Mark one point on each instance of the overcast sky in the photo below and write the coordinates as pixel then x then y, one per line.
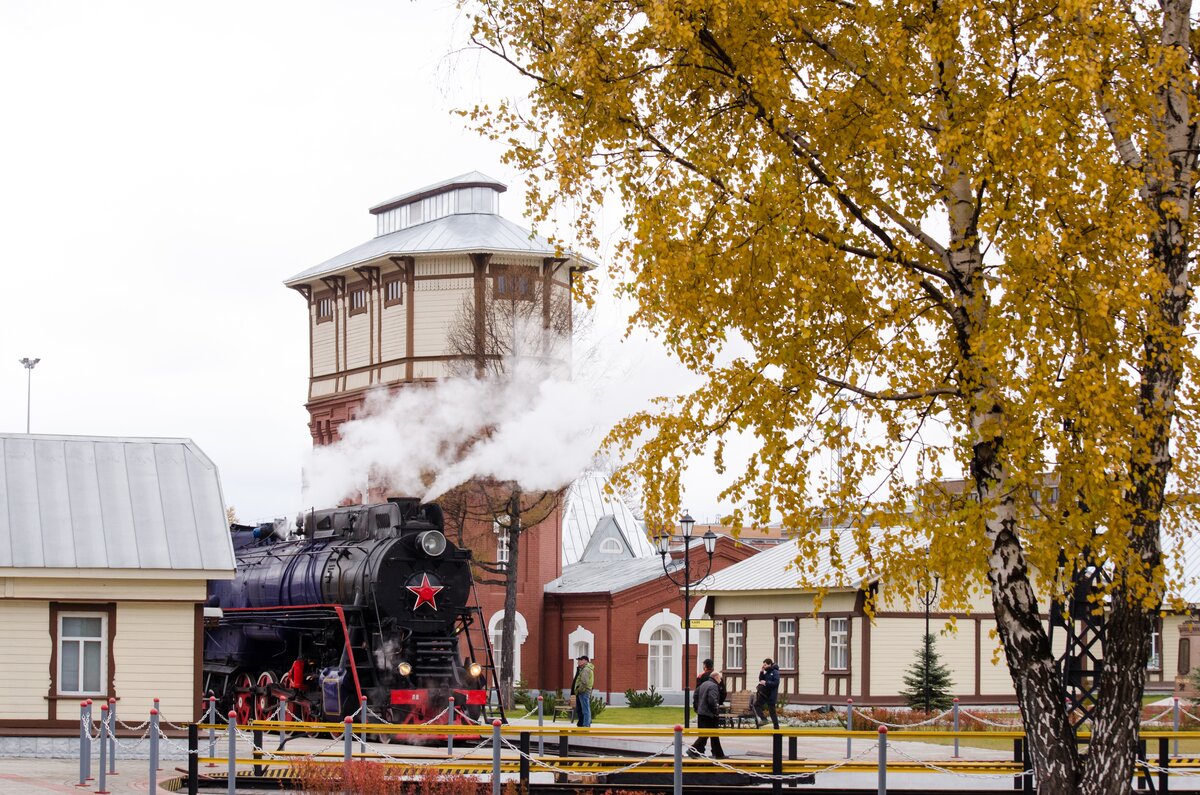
pixel 166 166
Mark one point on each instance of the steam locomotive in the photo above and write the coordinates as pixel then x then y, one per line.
pixel 365 602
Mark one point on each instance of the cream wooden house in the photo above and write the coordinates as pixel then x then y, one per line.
pixel 106 546
pixel 836 652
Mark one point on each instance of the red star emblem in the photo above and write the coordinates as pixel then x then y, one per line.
pixel 426 593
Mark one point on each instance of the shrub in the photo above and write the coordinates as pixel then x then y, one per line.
pixel 598 705
pixel 372 778
pixel 643 698
pixel 527 702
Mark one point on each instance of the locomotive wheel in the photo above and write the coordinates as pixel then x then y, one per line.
pixel 265 701
pixel 243 698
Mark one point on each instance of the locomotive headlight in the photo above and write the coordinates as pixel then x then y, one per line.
pixel 475 669
pixel 404 669
pixel 432 543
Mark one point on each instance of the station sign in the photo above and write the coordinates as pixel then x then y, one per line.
pixel 697 623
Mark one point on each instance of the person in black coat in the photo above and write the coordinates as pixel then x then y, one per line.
pixel 702 678
pixel 707 707
pixel 767 693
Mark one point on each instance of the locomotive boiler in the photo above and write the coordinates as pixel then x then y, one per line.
pixel 364 602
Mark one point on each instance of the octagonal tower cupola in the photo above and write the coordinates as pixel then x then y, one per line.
pixel 468 194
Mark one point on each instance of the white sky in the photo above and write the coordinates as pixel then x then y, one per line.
pixel 163 168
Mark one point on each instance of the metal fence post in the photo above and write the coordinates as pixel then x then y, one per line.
pixel 883 760
pixel 193 762
pixel 523 777
pixel 232 732
pixel 956 728
pixel 87 767
pixel 496 757
pixel 103 750
pixel 347 752
pixel 1175 722
pixel 158 720
pixel 541 737
pixel 362 741
pixel 154 750
pixel 678 788
pixel 285 715
pixel 849 723
pixel 450 722
pixel 212 728
pixel 112 738
pixel 777 762
pixel 84 745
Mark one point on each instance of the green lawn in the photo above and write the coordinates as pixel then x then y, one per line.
pixel 642 716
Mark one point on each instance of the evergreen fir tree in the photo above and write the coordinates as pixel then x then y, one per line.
pixel 928 672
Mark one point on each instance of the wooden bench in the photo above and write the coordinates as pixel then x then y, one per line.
pixel 738 710
pixel 567 710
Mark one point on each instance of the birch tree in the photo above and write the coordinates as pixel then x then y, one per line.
pixel 966 226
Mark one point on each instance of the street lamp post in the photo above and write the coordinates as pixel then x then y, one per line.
pixel 29 365
pixel 928 597
pixel 686 523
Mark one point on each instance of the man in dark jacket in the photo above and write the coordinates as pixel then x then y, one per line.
pixel 767 693
pixel 707 707
pixel 702 678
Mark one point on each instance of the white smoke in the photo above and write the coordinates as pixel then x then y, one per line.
pixel 530 424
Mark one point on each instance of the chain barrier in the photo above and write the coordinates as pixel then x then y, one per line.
pixel 1183 711
pixel 469 719
pixel 1169 771
pixel 1159 716
pixel 137 728
pixel 249 738
pixel 788 776
pixel 183 748
pixel 927 722
pixel 433 762
pixel 895 748
pixel 962 713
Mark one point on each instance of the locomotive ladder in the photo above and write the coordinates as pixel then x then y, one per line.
pixel 474 619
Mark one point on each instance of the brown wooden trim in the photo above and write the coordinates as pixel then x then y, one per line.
pixel 480 262
pixel 304 290
pixel 835 672
pixel 324 295
pixel 978 655
pixel 395 278
pixel 725 638
pixel 351 289
pixel 410 317
pixel 436 277
pixel 110 610
pixel 198 661
pixel 22 727
pixel 864 678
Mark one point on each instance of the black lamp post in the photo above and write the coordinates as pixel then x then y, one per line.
pixel 928 597
pixel 686 523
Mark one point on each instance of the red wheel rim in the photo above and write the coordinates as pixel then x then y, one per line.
pixel 243 699
pixel 264 700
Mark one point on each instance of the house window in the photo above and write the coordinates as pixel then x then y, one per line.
pixel 82 653
pixel 662 659
pixel 839 645
pixel 324 309
pixel 1155 661
pixel 358 300
pixel 393 292
pixel 513 283
pixel 735 644
pixel 611 545
pixel 785 651
pixel 502 550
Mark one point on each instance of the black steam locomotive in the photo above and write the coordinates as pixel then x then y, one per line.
pixel 366 602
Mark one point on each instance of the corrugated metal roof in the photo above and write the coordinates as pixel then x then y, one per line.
pixel 121 503
pixel 609 576
pixel 587 504
pixel 470 178
pixel 452 234
pixel 774 569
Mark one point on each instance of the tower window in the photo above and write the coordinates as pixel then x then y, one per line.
pixel 393 291
pixel 513 282
pixel 325 308
pixel 358 300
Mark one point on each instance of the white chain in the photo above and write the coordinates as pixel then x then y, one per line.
pixel 1156 769
pixel 137 728
pixel 457 757
pixel 788 776
pixel 268 755
pixel 469 719
pixel 900 752
pixel 1190 715
pixel 172 743
pixel 1159 716
pixel 986 722
pixel 934 719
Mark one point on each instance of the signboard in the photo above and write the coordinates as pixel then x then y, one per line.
pixel 696 623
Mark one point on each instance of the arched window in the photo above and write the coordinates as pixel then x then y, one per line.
pixel 662 660
pixel 496 634
pixel 611 545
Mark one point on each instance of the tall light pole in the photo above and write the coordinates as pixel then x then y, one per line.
pixel 29 365
pixel 686 523
pixel 928 597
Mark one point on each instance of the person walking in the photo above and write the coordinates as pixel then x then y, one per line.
pixel 581 688
pixel 767 693
pixel 707 706
pixel 701 679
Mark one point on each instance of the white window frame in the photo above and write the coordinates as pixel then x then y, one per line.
pixel 787 648
pixel 102 641
pixel 839 644
pixel 1155 661
pixel 611 545
pixel 735 652
pixel 502 549
pixel 661 664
